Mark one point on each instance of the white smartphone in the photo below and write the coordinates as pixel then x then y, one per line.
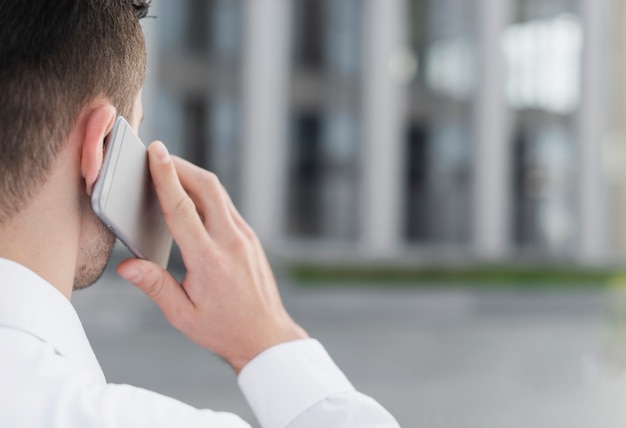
pixel 124 197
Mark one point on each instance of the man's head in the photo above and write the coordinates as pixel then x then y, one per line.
pixel 55 58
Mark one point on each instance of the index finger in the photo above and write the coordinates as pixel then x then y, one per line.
pixel 179 211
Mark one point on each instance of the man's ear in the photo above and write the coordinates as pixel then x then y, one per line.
pixel 98 123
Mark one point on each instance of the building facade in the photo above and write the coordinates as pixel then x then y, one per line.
pixel 401 131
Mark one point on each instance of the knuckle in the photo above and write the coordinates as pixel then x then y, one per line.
pixel 239 244
pixel 185 208
pixel 248 232
pixel 209 180
pixel 154 288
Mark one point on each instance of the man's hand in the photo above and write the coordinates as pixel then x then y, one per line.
pixel 228 302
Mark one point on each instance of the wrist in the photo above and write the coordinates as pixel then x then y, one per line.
pixel 291 334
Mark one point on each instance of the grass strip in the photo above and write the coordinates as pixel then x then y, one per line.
pixel 486 276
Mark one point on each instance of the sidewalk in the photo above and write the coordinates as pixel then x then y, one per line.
pixel 448 358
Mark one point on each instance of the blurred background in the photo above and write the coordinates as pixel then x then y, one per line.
pixel 402 130
pixel 370 141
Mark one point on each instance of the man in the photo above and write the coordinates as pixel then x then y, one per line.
pixel 67 68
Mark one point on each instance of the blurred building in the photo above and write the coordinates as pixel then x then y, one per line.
pixel 402 131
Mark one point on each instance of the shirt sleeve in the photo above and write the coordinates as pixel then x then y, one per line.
pixel 297 385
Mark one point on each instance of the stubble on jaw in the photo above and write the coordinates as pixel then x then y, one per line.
pixel 94 256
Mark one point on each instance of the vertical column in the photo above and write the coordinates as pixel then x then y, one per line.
pixel 616 148
pixel 592 131
pixel 492 169
pixel 384 107
pixel 264 81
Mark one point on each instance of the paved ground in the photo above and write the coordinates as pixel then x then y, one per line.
pixel 435 358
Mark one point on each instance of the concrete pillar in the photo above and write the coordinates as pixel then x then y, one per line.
pixel 616 145
pixel 492 164
pixel 383 126
pixel 592 131
pixel 264 104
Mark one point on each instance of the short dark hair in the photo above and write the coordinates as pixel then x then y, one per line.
pixel 55 57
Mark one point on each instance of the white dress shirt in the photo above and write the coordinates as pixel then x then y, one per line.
pixel 50 377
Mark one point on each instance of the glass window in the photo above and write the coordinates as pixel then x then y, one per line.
pixel 543 50
pixel 226 23
pixel 200 55
pixel 197 24
pixel 214 27
pixel 442 49
pixel 307 32
pixel 172 24
pixel 323 184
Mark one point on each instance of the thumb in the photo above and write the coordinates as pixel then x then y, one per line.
pixel 158 284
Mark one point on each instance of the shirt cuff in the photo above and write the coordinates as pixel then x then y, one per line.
pixel 287 379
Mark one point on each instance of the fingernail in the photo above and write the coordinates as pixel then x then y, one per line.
pixel 131 274
pixel 162 153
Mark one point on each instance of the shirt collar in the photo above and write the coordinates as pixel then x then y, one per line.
pixel 31 304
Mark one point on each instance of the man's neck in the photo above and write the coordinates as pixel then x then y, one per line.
pixel 40 238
